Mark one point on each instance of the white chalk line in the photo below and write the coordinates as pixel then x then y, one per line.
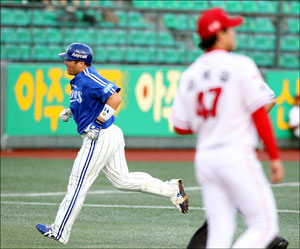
pixel 103 192
pixel 123 206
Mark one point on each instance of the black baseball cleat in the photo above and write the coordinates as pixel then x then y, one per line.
pixel 278 243
pixel 180 199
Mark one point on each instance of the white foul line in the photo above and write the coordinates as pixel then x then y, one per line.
pixel 103 192
pixel 98 192
pixel 123 206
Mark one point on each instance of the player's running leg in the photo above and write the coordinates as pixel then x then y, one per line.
pixel 117 172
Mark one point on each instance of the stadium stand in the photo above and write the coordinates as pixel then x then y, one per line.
pixel 141 31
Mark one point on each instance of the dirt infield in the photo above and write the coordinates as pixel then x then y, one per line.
pixel 137 155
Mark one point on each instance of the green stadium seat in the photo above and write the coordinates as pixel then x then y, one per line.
pixel 143 55
pixel 79 35
pixel 192 22
pixel 40 53
pixel 84 18
pixel 178 22
pixel 170 56
pixel 8 35
pixel 140 4
pixel 295 7
pixel 151 54
pixel 289 61
pixel 12 52
pixel 156 5
pixel 37 17
pixel 289 43
pixel 24 35
pixel 263 42
pixel 200 5
pixel 102 3
pixel 185 5
pixel 100 54
pixel 233 6
pixel 293 25
pixel 196 39
pixel 249 6
pixel 45 17
pixel 3 52
pixel 7 16
pixel 122 19
pixel 132 54
pixel 104 36
pixel 290 7
pixel 150 38
pixel 22 17
pixel 115 54
pixel 220 4
pixel 135 20
pixel 121 36
pixel 170 20
pixel 110 37
pixel 264 59
pixel 136 37
pixel 160 56
pixel 39 36
pixel 85 36
pixel 165 39
pixel 25 52
pixel 249 25
pixel 53 35
pixel 181 55
pixel 264 25
pixel 242 40
pixel 182 22
pixel 167 4
pixel 243 27
pixel 267 6
pixel 54 50
pixel 193 55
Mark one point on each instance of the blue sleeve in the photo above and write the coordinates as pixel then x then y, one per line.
pixel 102 89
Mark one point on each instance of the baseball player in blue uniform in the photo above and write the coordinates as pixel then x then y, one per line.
pixel 93 102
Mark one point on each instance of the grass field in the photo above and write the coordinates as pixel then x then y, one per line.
pixel 31 190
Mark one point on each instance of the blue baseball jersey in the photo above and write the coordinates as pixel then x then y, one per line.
pixel 89 92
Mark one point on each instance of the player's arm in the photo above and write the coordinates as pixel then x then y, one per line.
pixel 264 129
pixel 180 118
pixel 270 105
pixel 111 105
pixel 109 109
pixel 180 131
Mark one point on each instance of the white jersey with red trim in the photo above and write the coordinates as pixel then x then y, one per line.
pixel 216 97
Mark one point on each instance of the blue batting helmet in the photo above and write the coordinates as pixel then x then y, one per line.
pixel 78 52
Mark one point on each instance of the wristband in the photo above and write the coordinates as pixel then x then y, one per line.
pixel 98 122
pixel 107 112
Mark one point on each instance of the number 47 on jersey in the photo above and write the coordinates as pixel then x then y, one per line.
pixel 213 95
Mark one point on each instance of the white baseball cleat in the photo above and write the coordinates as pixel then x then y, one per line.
pixel 180 199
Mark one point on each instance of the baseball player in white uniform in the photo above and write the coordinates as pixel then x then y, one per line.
pixel 221 99
pixel 93 102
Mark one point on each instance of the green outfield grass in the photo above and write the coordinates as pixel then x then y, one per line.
pixel 130 220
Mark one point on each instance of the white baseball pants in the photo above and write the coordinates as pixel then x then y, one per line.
pixel 106 154
pixel 232 180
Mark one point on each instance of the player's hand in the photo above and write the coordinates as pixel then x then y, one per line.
pixel 94 129
pixel 276 171
pixel 66 114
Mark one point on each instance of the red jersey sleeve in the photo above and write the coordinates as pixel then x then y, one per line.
pixel 265 131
